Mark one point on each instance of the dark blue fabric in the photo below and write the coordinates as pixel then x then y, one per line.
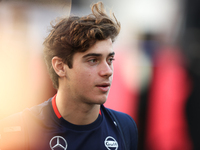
pixel 42 130
pixel 127 128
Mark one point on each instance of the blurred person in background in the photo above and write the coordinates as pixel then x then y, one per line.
pixel 191 48
pixel 162 104
pixel 165 124
pixel 79 56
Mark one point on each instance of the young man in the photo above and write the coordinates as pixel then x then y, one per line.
pixel 79 56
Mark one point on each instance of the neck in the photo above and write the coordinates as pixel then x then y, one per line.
pixel 75 112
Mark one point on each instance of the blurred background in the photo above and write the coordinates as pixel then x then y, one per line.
pixel 156 70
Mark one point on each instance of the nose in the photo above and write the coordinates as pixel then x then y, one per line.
pixel 106 70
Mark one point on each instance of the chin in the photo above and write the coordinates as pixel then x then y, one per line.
pixel 98 101
pixel 101 101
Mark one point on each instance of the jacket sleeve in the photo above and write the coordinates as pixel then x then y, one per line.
pixel 12 133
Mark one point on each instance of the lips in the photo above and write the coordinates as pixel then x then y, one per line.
pixel 104 87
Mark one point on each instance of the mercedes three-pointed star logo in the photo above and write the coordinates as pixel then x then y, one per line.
pixel 58 142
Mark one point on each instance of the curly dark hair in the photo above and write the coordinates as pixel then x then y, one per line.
pixel 77 34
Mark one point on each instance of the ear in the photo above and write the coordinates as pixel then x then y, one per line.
pixel 58 66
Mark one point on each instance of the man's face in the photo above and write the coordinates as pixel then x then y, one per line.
pixel 89 80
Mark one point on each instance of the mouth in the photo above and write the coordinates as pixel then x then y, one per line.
pixel 104 87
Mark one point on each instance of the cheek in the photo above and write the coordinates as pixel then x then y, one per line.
pixel 84 84
pixel 84 77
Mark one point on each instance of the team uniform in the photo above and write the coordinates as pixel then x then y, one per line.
pixel 43 128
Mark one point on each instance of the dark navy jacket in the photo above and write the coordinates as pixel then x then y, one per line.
pixel 41 128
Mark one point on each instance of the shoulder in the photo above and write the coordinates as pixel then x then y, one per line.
pixel 14 128
pixel 121 117
pixel 127 127
pixel 12 134
pixel 12 120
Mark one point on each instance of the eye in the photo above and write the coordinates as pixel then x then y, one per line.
pixel 110 60
pixel 93 61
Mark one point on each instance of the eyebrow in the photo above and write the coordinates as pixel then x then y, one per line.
pixel 112 54
pixel 97 54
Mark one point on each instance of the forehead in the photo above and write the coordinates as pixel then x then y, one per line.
pixel 102 44
pixel 103 47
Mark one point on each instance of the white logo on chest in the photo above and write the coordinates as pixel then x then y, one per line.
pixel 111 143
pixel 58 142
